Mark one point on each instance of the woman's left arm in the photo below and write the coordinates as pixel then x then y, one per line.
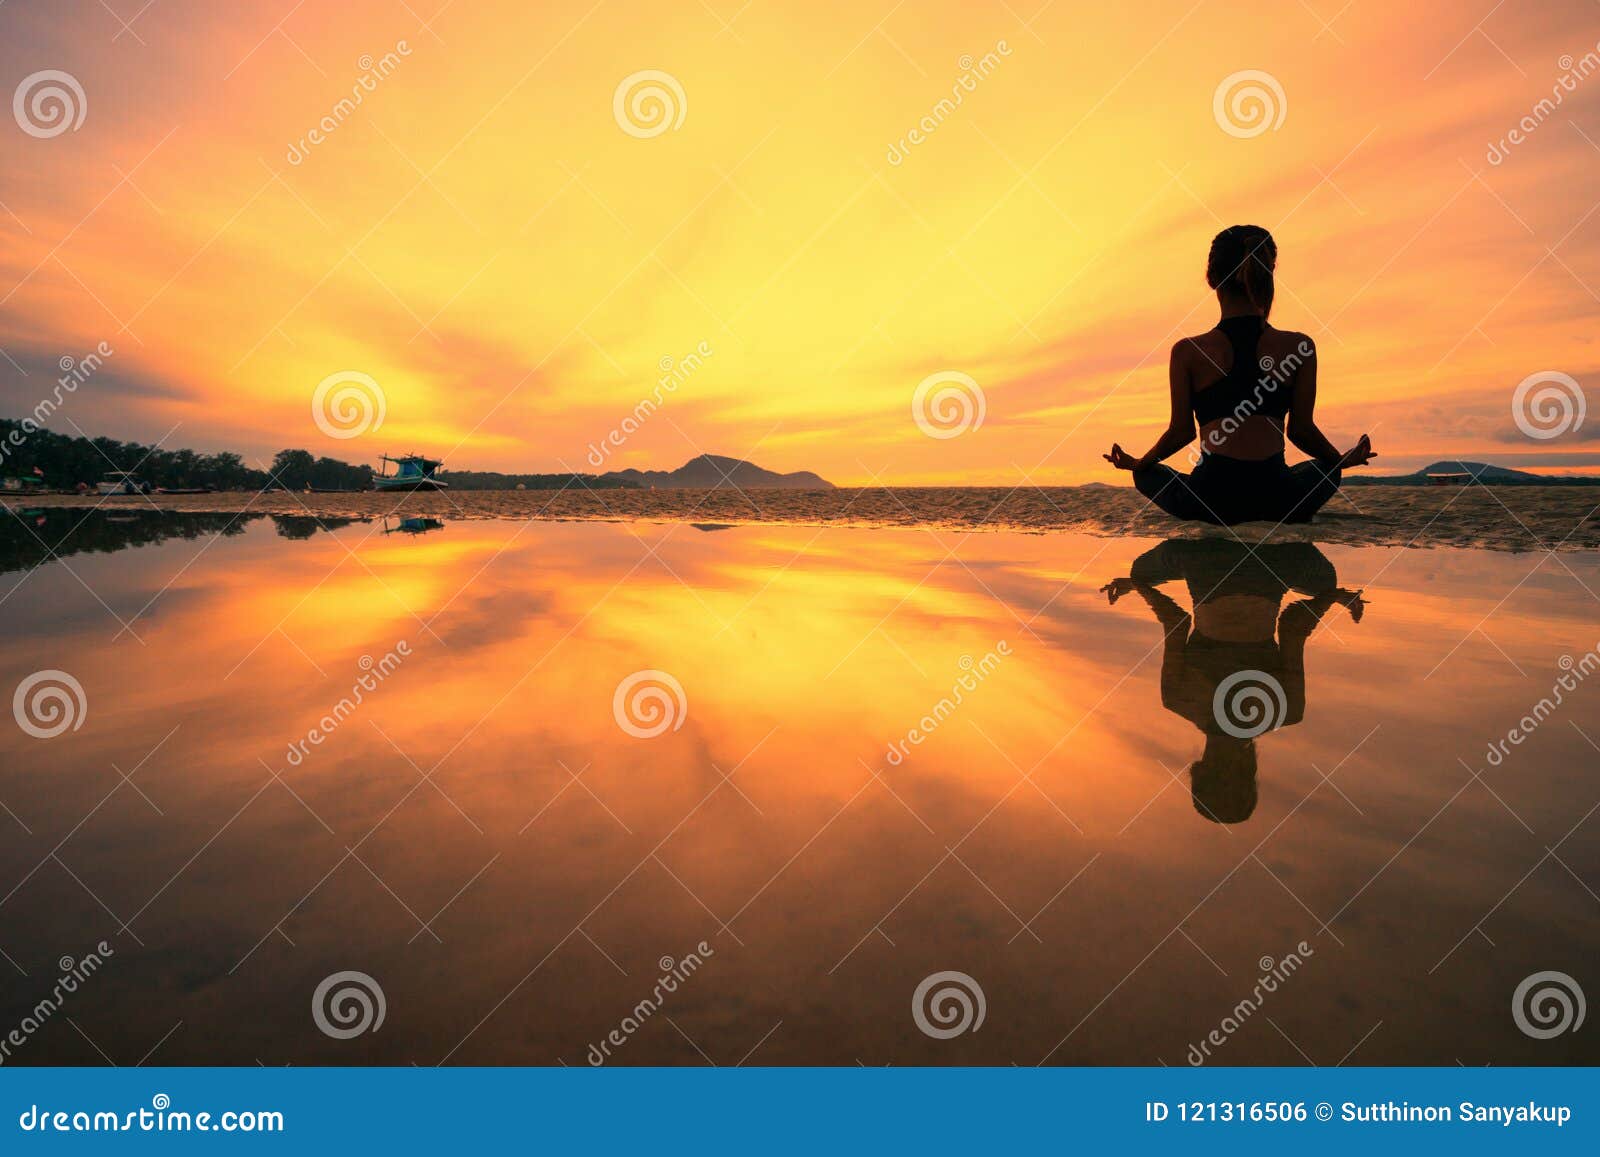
pixel 1303 430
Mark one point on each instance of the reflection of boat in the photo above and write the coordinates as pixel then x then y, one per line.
pixel 122 482
pixel 412 525
pixel 412 472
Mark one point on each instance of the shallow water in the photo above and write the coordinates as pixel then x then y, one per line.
pixel 1079 834
pixel 1514 518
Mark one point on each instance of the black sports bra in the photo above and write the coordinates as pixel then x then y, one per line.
pixel 1248 388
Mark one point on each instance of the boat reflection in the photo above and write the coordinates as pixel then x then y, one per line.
pixel 411 524
pixel 1234 665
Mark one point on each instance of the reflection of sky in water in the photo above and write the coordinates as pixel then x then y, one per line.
pixel 483 838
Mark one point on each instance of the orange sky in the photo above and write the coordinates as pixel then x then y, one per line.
pixel 482 238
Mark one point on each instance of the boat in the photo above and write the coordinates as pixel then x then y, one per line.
pixel 122 482
pixel 412 472
pixel 412 525
pixel 186 490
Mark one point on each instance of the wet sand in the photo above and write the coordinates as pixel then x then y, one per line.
pixel 1495 518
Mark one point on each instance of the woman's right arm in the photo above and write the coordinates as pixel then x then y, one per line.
pixel 1180 416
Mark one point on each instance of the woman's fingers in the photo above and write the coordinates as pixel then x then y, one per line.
pixel 1119 457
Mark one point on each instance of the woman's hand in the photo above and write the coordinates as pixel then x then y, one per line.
pixel 1359 454
pixel 1116 588
pixel 1351 601
pixel 1121 459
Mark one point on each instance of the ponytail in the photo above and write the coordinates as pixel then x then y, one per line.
pixel 1241 264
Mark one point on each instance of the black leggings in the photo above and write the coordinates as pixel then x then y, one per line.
pixel 1225 491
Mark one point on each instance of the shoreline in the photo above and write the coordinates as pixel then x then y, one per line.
pixel 1491 518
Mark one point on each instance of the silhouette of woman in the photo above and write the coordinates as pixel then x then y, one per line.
pixel 1235 666
pixel 1244 383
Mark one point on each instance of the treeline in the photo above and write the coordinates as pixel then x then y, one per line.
pixel 66 461
pixel 297 469
pixel 62 462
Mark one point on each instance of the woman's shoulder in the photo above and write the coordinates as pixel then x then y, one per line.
pixel 1200 346
pixel 1286 341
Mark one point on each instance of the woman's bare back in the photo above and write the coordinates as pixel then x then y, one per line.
pixel 1208 358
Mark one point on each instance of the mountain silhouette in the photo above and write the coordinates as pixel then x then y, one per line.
pixel 713 471
pixel 1482 472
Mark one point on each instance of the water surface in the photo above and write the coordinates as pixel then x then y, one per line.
pixel 897 753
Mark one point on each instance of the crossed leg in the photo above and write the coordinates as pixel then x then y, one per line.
pixel 1308 490
pixel 1172 492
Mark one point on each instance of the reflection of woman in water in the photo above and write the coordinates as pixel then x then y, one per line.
pixel 1247 386
pixel 1235 666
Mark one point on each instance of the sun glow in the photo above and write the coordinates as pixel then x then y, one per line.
pixel 512 218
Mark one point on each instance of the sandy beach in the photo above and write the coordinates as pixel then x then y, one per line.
pixel 1502 518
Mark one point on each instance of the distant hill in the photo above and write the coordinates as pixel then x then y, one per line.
pixel 712 471
pixel 493 480
pixel 1480 472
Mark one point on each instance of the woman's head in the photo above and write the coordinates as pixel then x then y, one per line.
pixel 1223 781
pixel 1240 266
